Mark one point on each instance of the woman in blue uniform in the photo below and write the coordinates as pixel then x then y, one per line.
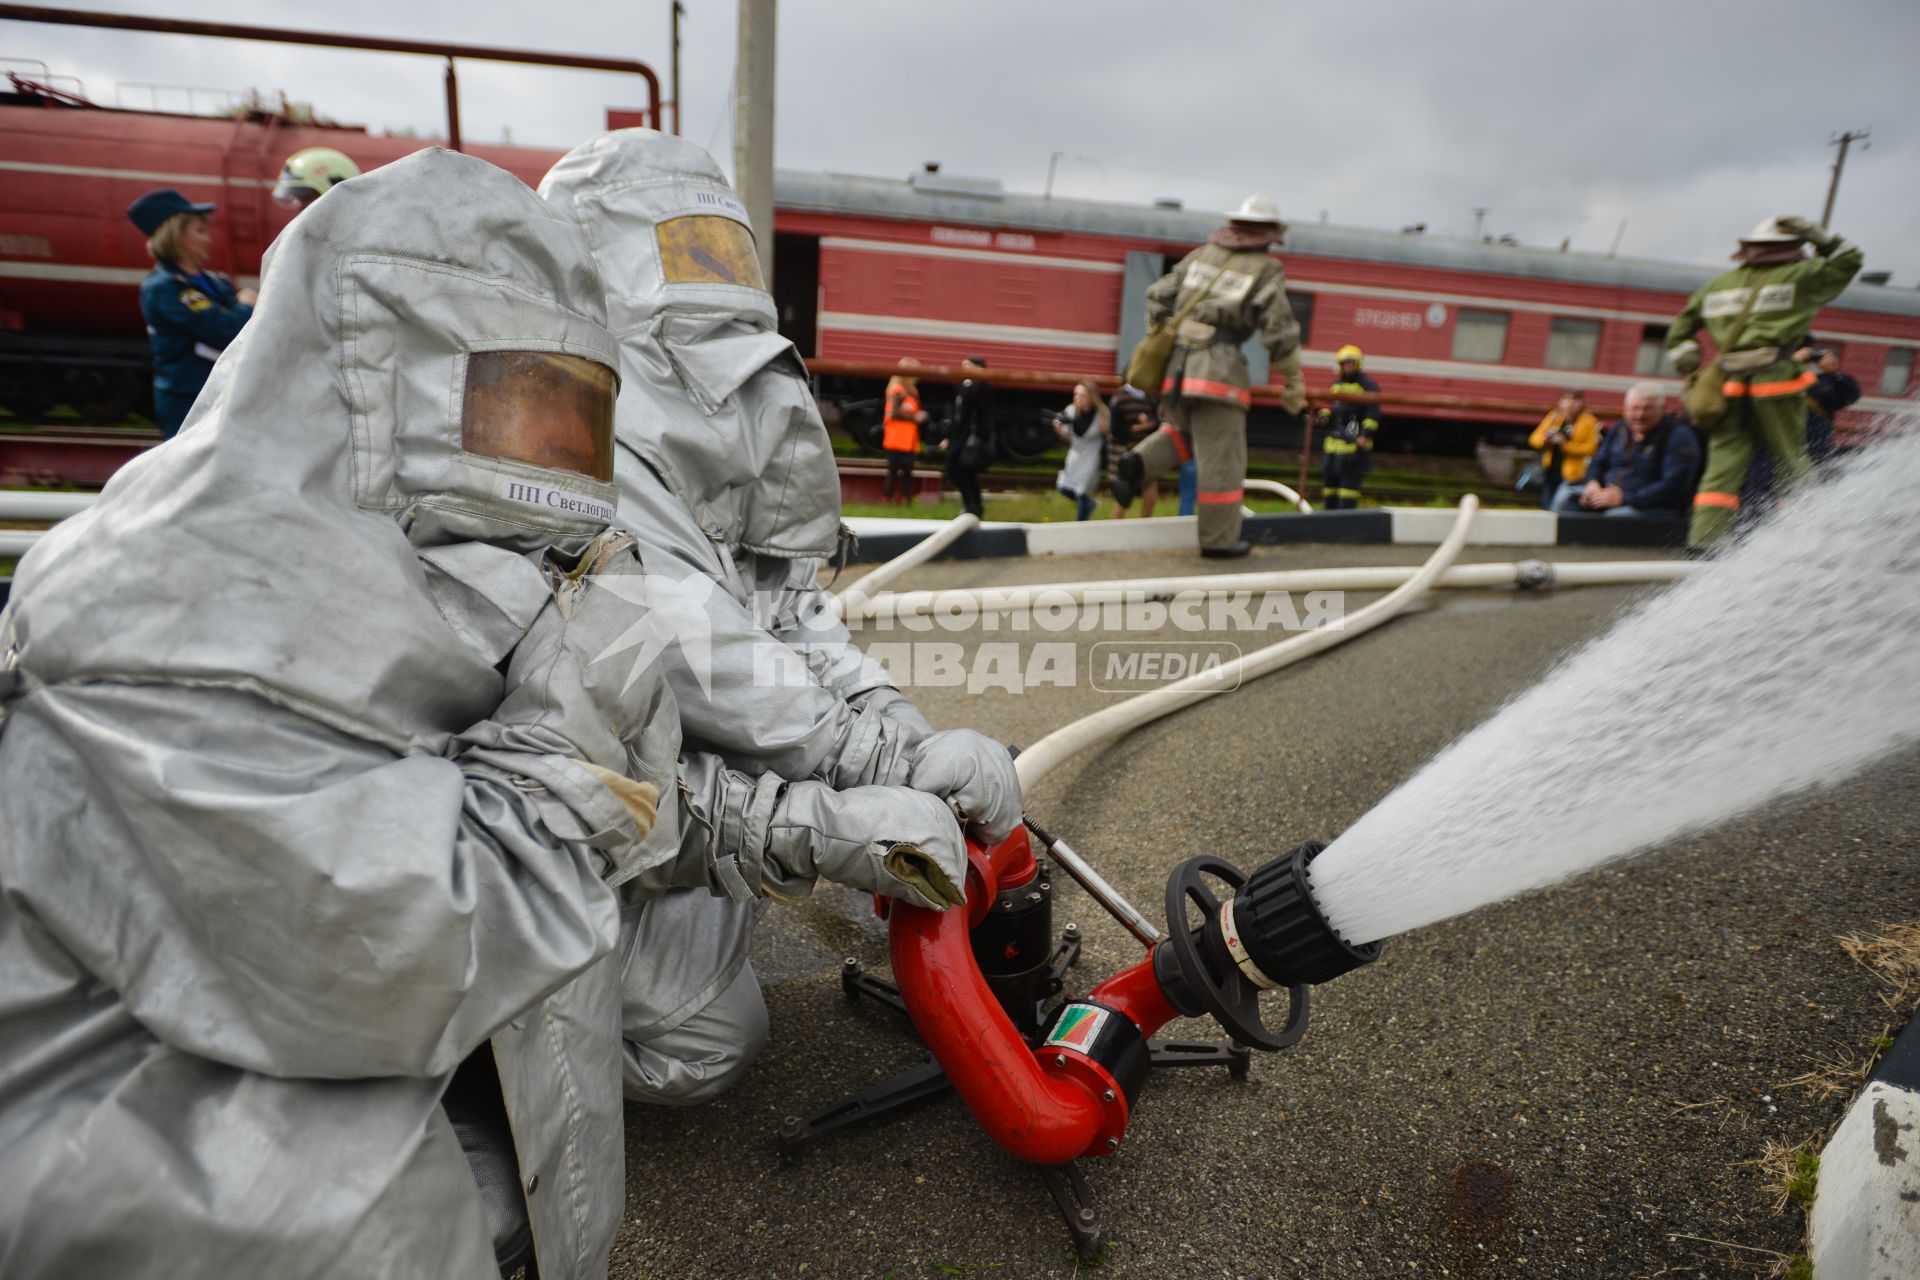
pixel 192 313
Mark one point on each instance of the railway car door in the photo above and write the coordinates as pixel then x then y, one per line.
pixel 796 289
pixel 1141 270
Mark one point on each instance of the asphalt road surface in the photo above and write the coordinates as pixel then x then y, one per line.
pixel 1569 1084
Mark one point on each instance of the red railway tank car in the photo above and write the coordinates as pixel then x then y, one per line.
pixel 867 269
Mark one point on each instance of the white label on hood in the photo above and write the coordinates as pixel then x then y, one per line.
pixel 548 498
pixel 723 202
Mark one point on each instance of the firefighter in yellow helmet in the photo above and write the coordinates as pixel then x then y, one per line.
pixel 309 173
pixel 1349 429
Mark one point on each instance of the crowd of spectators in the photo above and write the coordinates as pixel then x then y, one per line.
pixel 1648 462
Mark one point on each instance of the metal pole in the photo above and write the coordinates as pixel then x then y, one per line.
pixel 753 125
pixel 453 109
pixel 1097 887
pixel 335 40
pixel 1306 445
pixel 1844 141
pixel 673 66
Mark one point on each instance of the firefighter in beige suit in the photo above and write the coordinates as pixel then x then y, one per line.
pixel 1206 395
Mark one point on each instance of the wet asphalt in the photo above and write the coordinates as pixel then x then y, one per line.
pixel 1568 1084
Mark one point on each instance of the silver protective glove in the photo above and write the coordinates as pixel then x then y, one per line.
pixel 891 704
pixel 887 840
pixel 573 688
pixel 972 773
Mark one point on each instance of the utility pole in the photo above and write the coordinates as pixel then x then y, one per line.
pixel 673 67
pixel 1843 141
pixel 1479 220
pixel 753 125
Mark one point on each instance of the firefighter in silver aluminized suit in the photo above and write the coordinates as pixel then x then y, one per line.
pixel 330 745
pixel 727 478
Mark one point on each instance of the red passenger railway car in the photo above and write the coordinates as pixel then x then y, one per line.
pixel 933 266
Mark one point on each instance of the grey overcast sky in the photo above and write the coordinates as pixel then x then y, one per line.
pixel 1688 119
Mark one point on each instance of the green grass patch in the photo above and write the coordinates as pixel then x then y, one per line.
pixel 1803 1178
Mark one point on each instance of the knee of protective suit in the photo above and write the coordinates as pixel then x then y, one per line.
pixel 704 1056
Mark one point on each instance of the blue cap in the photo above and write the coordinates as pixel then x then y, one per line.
pixel 155 207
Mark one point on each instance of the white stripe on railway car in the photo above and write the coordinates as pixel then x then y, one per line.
pixel 920 327
pixel 90 275
pixel 916 250
pixel 136 175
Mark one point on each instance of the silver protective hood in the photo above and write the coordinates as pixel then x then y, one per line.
pixel 714 400
pixel 320 502
pixel 272 863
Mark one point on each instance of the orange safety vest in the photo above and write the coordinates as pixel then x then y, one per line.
pixel 902 434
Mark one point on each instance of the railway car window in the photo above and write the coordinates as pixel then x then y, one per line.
pixel 1573 344
pixel 1302 304
pixel 1480 335
pixel 1651 361
pixel 1898 371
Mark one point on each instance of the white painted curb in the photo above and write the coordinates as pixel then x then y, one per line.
pixel 1865 1223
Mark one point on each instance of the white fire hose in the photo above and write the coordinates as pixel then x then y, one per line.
pixel 850 596
pixel 1040 759
pixel 1279 490
pixel 1012 600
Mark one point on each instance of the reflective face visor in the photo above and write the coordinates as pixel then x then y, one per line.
pixel 705 249
pixel 546 410
pixel 293 191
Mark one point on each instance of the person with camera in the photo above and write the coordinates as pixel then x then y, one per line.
pixel 1566 439
pixel 1085 428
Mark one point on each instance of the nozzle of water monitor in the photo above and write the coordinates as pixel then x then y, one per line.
pixel 1282 929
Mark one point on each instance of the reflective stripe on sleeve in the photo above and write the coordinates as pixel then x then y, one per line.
pixel 1220 497
pixel 1708 498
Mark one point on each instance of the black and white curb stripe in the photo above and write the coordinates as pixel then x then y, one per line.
pixel 883 539
pixel 1865 1223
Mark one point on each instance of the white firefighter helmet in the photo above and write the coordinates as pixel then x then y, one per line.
pixel 1771 232
pixel 1258 207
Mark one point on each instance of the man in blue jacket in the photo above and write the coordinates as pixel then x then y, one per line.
pixel 1646 466
pixel 192 313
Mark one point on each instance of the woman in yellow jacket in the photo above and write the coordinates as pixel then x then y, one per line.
pixel 1566 438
